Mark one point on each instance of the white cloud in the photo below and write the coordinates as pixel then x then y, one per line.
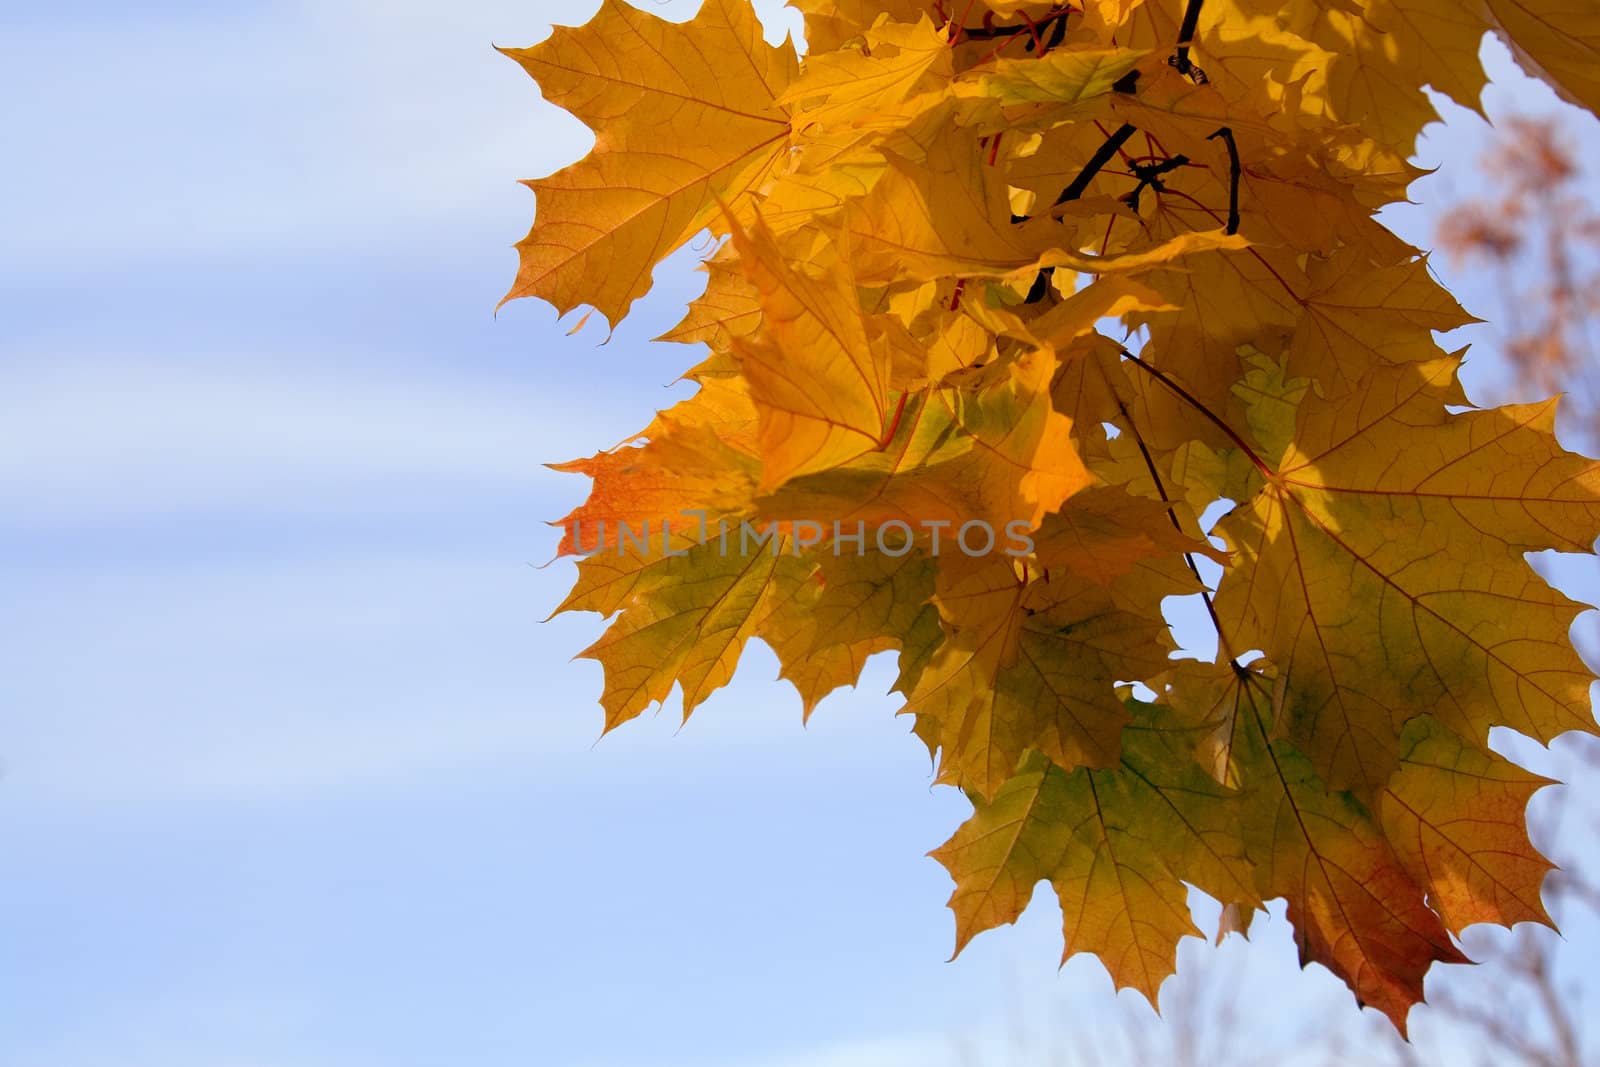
pixel 100 438
pixel 282 676
pixel 260 128
pixel 247 130
pixel 276 677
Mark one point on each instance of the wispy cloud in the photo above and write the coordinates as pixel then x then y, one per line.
pixel 241 131
pixel 280 677
pixel 92 439
pixel 250 130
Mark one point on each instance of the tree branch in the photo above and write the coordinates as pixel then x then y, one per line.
pixel 1188 398
pixel 1150 174
pixel 1226 133
pixel 1101 157
pixel 1186 32
pixel 1055 19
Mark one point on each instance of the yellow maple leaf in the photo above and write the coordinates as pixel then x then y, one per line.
pixel 648 88
pixel 1355 907
pixel 1559 40
pixel 819 373
pixel 1116 844
pixel 1381 569
pixel 1455 816
pixel 1028 665
pixel 990 449
pixel 896 60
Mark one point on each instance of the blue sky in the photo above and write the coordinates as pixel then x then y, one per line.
pixel 293 775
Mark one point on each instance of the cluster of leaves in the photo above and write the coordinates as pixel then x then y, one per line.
pixel 1101 268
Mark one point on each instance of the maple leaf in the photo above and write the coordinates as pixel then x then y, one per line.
pixel 1354 905
pixel 991 449
pixel 730 307
pixel 647 88
pixel 699 455
pixel 687 620
pixel 819 375
pixel 1117 845
pixel 1359 316
pixel 1455 817
pixel 856 86
pixel 1380 567
pixel 1028 665
pixel 1011 298
pixel 1558 40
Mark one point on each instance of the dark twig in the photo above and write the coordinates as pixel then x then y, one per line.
pixel 1188 398
pixel 1055 19
pixel 1233 176
pixel 1058 33
pixel 1172 513
pixel 1101 157
pixel 1150 174
pixel 1041 285
pixel 1186 32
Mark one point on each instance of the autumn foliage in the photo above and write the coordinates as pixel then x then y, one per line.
pixel 1092 275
